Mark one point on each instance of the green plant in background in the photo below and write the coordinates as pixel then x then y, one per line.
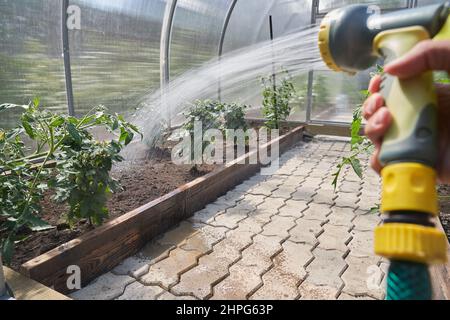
pixel 321 92
pixel 206 112
pixel 359 144
pixel 212 114
pixel 66 160
pixel 234 116
pixel 276 100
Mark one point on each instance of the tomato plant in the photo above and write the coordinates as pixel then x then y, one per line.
pixel 65 158
pixel 276 100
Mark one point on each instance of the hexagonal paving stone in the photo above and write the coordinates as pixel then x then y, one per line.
pixel 230 218
pixel 106 287
pixel 306 231
pixel 326 268
pixel 135 266
pixel 335 238
pixel 279 226
pixel 166 272
pixel 362 245
pixel 342 217
pixel 346 200
pixel 366 221
pixel 363 278
pixel 293 208
pixel 213 268
pixel 350 187
pixel 310 291
pixel 272 204
pixel 277 286
pixel 324 196
pixel 204 239
pixel 317 212
pixel 137 291
pixel 178 234
pixel 304 194
pixel 284 192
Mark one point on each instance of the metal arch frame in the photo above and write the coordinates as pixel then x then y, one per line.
pixel 225 26
pixel 222 41
pixel 166 36
pixel 164 55
pixel 315 5
pixel 66 57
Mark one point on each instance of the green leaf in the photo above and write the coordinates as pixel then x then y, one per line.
pixel 356 165
pixel 57 122
pixel 74 134
pixel 7 250
pixel 36 101
pixel 28 129
pixel 375 209
pixel 38 225
pixel 7 106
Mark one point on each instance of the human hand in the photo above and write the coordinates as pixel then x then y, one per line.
pixel 427 55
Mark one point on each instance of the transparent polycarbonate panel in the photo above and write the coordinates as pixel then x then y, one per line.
pixel 327 5
pixel 335 95
pixel 115 54
pixel 246 29
pixel 31 63
pixel 421 3
pixel 196 32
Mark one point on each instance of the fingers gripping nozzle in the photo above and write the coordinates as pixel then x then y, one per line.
pixel 353 39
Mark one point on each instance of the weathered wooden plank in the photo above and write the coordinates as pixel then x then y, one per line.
pixel 24 288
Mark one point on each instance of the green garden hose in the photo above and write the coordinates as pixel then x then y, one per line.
pixel 408 281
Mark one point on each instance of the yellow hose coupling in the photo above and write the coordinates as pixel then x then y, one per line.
pixel 409 187
pixel 409 242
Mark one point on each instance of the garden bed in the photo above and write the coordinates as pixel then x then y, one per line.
pixel 100 250
pixel 142 181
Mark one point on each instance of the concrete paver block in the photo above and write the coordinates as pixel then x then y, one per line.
pixel 335 238
pixel 326 268
pixel 166 272
pixel 279 226
pixel 137 291
pixel 363 278
pixel 293 208
pixel 106 287
pixel 366 221
pixel 317 212
pixel 304 194
pixel 346 200
pixel 306 231
pixel 310 291
pixel 342 217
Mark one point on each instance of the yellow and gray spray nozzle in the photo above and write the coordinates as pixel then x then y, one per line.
pixel 346 35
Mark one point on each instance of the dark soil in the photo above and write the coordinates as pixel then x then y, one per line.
pixel 444 193
pixel 142 181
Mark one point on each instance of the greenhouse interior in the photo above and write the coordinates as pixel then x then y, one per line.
pixel 224 150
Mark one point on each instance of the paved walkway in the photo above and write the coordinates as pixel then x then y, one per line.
pixel 285 236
